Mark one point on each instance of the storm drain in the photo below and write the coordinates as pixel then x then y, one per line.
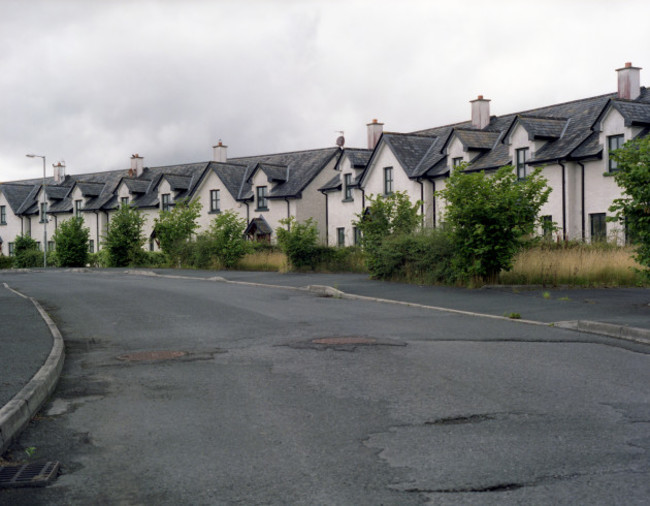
pixel 150 356
pixel 28 475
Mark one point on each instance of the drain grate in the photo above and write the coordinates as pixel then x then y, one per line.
pixel 144 356
pixel 28 475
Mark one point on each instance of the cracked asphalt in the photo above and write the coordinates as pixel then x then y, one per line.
pixel 285 397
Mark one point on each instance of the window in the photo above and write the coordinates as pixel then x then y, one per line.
pixel 522 154
pixel 124 201
pixel 340 236
pixel 388 180
pixel 613 142
pixel 347 182
pixel 455 162
pixel 547 226
pixel 11 249
pixel 43 212
pixel 3 215
pixel 91 246
pixel 51 245
pixel 357 236
pixel 598 227
pixel 215 201
pixel 262 204
pixel 77 208
pixel 39 245
pixel 165 204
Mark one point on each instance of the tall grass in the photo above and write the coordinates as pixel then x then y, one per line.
pixel 269 260
pixel 574 264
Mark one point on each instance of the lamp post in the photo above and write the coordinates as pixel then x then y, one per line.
pixel 43 210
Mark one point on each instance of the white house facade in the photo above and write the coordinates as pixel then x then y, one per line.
pixel 570 141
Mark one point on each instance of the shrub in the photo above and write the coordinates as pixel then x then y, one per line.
pixel 27 253
pixel 174 228
pixel 299 242
pixel 71 240
pixel 227 234
pixel 124 240
pixel 6 262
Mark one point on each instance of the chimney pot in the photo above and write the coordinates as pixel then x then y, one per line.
pixel 375 129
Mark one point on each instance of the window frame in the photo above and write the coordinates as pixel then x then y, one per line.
pixel 455 162
pixel 340 237
pixel 3 215
pixel 77 208
pixel 165 202
pixel 11 249
pixel 547 226
pixel 388 181
pixel 261 198
pixel 614 142
pixel 347 188
pixel 42 211
pixel 521 155
pixel 91 245
pixel 215 201
pixel 124 201
pixel 597 220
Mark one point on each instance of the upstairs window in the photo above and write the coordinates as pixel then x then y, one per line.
pixel 165 202
pixel 124 201
pixel 3 215
pixel 455 162
pixel 77 208
pixel 613 142
pixel 388 180
pixel 43 212
pixel 347 183
pixel 262 201
pixel 522 156
pixel 215 201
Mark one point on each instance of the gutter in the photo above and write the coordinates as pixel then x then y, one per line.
pixel 327 219
pixel 564 234
pixel 421 199
pixel 434 203
pixel 582 199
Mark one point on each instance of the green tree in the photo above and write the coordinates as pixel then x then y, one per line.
pixel 71 240
pixel 174 228
pixel 299 241
pixel 633 208
pixel 27 253
pixel 385 216
pixel 124 238
pixel 488 215
pixel 227 234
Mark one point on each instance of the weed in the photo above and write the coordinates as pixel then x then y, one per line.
pixel 514 316
pixel 546 295
pixel 30 451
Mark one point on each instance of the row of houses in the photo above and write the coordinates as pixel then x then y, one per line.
pixel 570 141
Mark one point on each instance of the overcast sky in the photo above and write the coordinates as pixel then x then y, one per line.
pixel 92 82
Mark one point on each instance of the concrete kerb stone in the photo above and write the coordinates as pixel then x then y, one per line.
pixel 633 334
pixel 16 414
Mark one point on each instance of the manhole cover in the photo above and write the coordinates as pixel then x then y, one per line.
pixel 335 341
pixel 28 475
pixel 144 356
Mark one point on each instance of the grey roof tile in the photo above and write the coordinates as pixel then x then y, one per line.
pixel 634 113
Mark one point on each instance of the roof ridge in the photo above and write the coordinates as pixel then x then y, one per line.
pixel 287 153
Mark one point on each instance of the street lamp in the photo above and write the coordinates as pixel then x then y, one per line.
pixel 43 210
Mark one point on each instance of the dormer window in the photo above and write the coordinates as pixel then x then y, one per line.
pixel 521 156
pixel 3 215
pixel 347 183
pixel 124 201
pixel 43 212
pixel 165 202
pixel 388 180
pixel 613 142
pixel 77 208
pixel 262 203
pixel 455 162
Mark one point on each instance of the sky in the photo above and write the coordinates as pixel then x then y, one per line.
pixel 92 82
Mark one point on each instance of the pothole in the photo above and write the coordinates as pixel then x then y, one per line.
pixel 150 356
pixel 344 343
pixel 459 420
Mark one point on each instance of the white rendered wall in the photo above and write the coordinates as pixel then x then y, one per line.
pixel 11 229
pixel 342 213
pixel 228 203
pixel 312 203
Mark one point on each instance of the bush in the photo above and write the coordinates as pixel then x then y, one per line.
pixel 174 228
pixel 227 234
pixel 71 240
pixel 124 240
pixel 6 262
pixel 27 253
pixel 99 259
pixel 299 242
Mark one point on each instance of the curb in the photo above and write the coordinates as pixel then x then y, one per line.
pixel 16 414
pixel 633 334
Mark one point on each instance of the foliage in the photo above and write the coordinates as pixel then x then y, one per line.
pixel 488 216
pixel 385 216
pixel 6 262
pixel 175 227
pixel 71 240
pixel 124 238
pixel 633 208
pixel 227 234
pixel 99 259
pixel 299 241
pixel 27 253
pixel 421 257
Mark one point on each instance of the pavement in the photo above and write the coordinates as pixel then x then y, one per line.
pixel 32 351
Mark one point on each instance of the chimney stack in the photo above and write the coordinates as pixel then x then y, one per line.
pixel 480 112
pixel 59 172
pixel 137 165
pixel 375 130
pixel 219 153
pixel 629 82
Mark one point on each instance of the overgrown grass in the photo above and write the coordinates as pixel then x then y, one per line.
pixel 268 260
pixel 574 264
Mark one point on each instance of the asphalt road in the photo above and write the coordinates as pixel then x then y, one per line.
pixel 243 406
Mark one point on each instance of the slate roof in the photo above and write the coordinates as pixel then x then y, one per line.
pixel 333 184
pixel 543 128
pixel 634 113
pixel 231 175
pixel 358 157
pixel 136 185
pixel 477 139
pixel 16 194
pixel 178 183
pixel 90 189
pixel 57 192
